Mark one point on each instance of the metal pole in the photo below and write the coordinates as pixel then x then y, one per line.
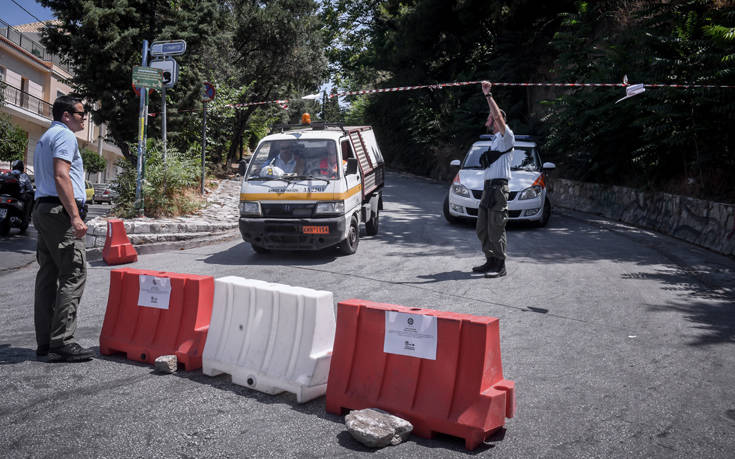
pixel 99 150
pixel 204 143
pixel 163 124
pixel 141 137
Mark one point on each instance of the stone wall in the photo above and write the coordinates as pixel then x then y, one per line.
pixel 704 223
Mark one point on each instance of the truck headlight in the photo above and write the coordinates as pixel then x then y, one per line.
pixel 460 190
pixel 530 193
pixel 250 208
pixel 330 207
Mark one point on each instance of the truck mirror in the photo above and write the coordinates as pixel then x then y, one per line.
pixel 351 166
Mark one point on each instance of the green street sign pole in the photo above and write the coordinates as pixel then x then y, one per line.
pixel 142 110
pixel 204 143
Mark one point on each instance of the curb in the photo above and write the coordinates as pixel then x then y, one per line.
pixel 95 253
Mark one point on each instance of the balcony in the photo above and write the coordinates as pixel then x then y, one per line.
pixel 14 96
pixel 31 46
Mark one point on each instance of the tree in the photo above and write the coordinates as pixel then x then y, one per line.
pixel 277 52
pixel 383 43
pixel 13 140
pixel 675 139
pixel 93 163
pixel 102 40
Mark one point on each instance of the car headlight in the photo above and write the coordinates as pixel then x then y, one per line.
pixel 530 193
pixel 250 208
pixel 460 190
pixel 330 207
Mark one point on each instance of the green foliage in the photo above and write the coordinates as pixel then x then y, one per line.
pixel 93 163
pixel 168 189
pixel 13 140
pixel 662 139
pixel 103 40
pixel 391 43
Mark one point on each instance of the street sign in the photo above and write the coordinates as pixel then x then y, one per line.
pixel 208 92
pixel 170 70
pixel 168 48
pixel 147 77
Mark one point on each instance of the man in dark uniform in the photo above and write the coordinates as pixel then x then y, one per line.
pixel 58 218
pixel 492 213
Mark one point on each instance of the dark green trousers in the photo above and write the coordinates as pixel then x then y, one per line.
pixel 491 220
pixel 62 273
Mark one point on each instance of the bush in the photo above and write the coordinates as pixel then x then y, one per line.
pixel 168 190
pixel 13 140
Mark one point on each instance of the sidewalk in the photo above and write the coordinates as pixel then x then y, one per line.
pixel 217 222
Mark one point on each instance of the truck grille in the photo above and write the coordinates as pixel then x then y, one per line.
pixel 287 210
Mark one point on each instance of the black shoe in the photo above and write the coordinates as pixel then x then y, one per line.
pixel 499 271
pixel 69 353
pixel 42 350
pixel 488 266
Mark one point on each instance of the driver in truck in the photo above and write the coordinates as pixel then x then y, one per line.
pixel 288 161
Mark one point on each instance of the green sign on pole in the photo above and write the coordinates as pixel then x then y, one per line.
pixel 147 77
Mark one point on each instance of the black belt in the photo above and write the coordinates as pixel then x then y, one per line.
pixel 56 200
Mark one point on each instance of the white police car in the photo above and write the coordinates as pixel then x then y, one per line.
pixel 527 202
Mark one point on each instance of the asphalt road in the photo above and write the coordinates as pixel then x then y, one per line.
pixel 620 341
pixel 20 249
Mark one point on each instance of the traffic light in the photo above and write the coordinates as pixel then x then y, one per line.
pixel 170 70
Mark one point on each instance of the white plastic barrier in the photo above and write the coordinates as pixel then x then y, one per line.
pixel 271 337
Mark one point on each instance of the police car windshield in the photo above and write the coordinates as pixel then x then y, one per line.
pixel 524 158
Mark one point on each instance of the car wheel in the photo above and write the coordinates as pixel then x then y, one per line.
pixel 371 226
pixel 546 214
pixel 349 245
pixel 259 249
pixel 5 226
pixel 449 217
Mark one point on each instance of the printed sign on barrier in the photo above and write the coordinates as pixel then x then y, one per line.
pixel 413 335
pixel 155 292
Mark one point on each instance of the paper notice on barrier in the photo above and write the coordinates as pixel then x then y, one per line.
pixel 410 334
pixel 155 292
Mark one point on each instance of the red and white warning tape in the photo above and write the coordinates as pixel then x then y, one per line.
pixel 283 103
pixel 557 85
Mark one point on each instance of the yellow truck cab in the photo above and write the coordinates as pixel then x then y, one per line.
pixel 310 187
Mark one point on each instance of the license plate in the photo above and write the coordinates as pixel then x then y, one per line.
pixel 3 212
pixel 321 229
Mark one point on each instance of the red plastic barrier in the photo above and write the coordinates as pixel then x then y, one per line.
pixel 461 393
pixel 145 333
pixel 118 249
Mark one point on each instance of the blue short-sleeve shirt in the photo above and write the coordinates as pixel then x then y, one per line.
pixel 58 142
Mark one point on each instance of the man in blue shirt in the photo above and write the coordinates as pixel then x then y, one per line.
pixel 58 218
pixel 492 213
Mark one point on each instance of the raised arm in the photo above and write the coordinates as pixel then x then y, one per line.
pixel 494 109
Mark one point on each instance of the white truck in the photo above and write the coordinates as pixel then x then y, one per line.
pixel 310 187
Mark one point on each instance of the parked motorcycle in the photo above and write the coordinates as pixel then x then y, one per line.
pixel 16 199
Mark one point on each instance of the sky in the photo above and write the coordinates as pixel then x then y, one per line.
pixel 13 14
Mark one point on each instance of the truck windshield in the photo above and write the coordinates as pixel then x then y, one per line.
pixel 296 159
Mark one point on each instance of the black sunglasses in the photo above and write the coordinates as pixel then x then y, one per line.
pixel 84 114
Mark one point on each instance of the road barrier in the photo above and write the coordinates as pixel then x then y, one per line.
pixel 271 337
pixel 118 249
pixel 154 313
pixel 439 370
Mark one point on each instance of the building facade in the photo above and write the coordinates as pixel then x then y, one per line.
pixel 32 79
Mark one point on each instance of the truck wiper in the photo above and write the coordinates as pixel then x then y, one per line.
pixel 267 178
pixel 305 177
